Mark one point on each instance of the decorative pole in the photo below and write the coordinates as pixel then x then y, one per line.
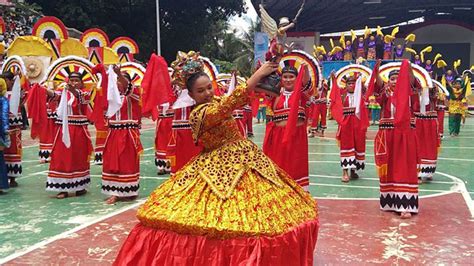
pixel 158 37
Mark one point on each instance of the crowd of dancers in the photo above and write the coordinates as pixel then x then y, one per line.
pixel 235 202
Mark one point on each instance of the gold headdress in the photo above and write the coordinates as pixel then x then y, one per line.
pixel 184 66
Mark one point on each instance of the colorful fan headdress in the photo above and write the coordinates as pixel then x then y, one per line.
pixel 184 66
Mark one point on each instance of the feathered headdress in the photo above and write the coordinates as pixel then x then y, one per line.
pixel 184 66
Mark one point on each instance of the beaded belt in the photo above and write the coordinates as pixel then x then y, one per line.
pixel 126 125
pixel 161 115
pixel 427 115
pixel 348 111
pixel 181 125
pixel 75 121
pixel 387 123
pixel 320 101
pixel 283 117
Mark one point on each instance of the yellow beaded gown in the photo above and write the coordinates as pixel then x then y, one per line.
pixel 229 205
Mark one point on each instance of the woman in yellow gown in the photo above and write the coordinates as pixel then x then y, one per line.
pixel 230 205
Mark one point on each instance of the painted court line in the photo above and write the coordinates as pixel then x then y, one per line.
pixel 368 187
pixel 373 178
pixel 69 232
pixel 372 155
pixel 371 145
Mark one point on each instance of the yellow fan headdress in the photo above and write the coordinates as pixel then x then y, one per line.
pixel 331 42
pixel 427 49
pixel 379 31
pixel 410 50
pixel 411 37
pixel 441 64
pixel 353 34
pixel 395 31
pixel 367 32
pixel 342 40
pixel 437 56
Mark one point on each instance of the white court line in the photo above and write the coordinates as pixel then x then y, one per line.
pixel 371 145
pixel 369 187
pixel 461 187
pixel 69 232
pixel 145 177
pixel 372 155
pixel 373 178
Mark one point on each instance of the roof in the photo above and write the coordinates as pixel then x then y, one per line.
pixel 327 16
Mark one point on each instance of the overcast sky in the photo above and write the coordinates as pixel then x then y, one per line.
pixel 242 23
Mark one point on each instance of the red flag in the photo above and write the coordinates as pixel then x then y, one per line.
pixel 100 100
pixel 336 102
pixel 294 102
pixel 401 97
pixel 373 80
pixel 36 104
pixel 156 86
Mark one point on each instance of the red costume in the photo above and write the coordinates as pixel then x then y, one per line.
pixel 319 110
pixel 351 135
pixel 13 153
pixel 248 119
pixel 440 110
pixel 293 155
pixel 100 137
pixel 181 148
pixel 46 136
pixel 428 139
pixel 162 138
pixel 69 167
pixel 121 165
pixel 238 116
pixel 395 148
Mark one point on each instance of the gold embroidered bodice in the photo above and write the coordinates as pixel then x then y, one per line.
pixel 227 154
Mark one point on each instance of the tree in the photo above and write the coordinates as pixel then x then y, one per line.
pixel 185 25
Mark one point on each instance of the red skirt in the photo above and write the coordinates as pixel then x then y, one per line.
pixel 428 144
pixel 46 139
pixel 396 160
pixel 242 127
pixel 181 148
pixel 121 165
pixel 69 167
pixel 292 157
pixel 319 110
pixel 100 136
pixel 162 138
pixel 248 119
pixel 351 139
pixel 13 153
pixel 163 247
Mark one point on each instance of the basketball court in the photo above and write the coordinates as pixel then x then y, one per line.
pixel 38 229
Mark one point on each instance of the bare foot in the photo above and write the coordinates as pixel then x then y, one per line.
pixel 112 200
pixel 62 195
pixel 345 179
pixel 405 215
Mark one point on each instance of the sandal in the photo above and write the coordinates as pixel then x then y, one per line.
pixel 354 175
pixel 62 195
